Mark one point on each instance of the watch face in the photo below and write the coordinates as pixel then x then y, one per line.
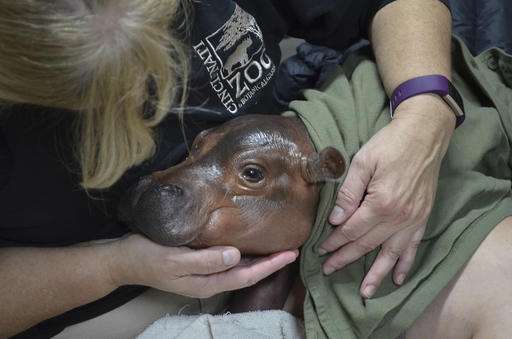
pixel 453 105
pixel 455 100
pixel 391 111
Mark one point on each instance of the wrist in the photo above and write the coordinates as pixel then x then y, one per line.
pixel 114 264
pixel 429 110
pixel 427 121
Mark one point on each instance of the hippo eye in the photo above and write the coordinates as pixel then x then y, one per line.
pixel 253 174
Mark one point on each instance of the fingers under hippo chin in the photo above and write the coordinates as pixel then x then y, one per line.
pixel 285 257
pixel 230 256
pixel 281 258
pixel 208 261
pixel 247 274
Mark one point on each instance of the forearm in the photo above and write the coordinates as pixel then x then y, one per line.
pixel 39 283
pixel 412 38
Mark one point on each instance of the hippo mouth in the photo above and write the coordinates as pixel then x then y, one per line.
pixel 161 212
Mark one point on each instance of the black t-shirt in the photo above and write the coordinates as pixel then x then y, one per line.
pixel 235 55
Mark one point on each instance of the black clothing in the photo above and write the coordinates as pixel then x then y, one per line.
pixel 483 24
pixel 235 55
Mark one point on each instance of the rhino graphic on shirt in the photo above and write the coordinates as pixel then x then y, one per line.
pixel 236 39
pixel 239 56
pixel 235 57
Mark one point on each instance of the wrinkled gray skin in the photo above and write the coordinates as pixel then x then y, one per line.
pixel 251 183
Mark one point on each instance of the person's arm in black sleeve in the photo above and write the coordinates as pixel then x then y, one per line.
pixel 331 23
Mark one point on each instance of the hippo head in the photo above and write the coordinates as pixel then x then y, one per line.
pixel 251 183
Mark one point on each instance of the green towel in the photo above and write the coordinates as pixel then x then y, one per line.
pixel 474 192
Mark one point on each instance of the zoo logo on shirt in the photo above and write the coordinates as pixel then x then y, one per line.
pixel 236 60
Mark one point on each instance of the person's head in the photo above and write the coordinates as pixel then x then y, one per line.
pixel 251 183
pixel 97 58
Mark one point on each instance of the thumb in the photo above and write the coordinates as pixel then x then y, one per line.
pixel 207 261
pixel 352 190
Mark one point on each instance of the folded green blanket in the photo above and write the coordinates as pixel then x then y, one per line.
pixel 474 192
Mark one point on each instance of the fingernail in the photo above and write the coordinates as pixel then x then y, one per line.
pixel 400 279
pixel 321 251
pixel 328 270
pixel 293 258
pixel 369 291
pixel 337 215
pixel 230 257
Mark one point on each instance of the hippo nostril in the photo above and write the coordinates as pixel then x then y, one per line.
pixel 172 189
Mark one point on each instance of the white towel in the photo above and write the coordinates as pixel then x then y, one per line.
pixel 262 324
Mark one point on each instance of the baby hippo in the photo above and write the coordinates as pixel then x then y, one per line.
pixel 252 183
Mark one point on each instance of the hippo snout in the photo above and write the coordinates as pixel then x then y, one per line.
pixel 154 194
pixel 158 211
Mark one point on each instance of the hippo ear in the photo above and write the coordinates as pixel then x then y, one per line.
pixel 326 165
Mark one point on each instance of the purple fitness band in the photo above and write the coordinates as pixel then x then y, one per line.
pixel 436 84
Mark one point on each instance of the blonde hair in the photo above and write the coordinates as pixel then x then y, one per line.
pixel 100 58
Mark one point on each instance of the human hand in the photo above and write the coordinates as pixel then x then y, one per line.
pixel 181 270
pixel 398 169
